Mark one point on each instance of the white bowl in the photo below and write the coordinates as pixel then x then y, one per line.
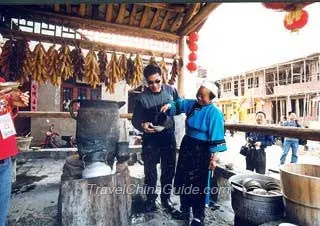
pixel 158 128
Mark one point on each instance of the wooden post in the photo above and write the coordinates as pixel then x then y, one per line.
pixel 181 78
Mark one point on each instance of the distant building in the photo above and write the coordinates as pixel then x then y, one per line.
pixel 276 90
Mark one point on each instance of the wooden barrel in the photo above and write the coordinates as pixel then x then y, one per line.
pixel 300 184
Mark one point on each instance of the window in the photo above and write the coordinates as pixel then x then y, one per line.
pixel 235 88
pixel 256 82
pixel 227 87
pixel 250 83
pixel 72 90
pixel 242 87
pixel 252 109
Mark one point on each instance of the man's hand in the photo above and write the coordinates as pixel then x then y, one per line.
pixel 148 127
pixel 20 99
pixel 258 144
pixel 165 107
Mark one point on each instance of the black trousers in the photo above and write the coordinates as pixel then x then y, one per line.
pixel 257 162
pixel 152 154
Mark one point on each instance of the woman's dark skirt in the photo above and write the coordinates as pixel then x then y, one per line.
pixel 192 168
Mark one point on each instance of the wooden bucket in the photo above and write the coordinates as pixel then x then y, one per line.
pixel 300 184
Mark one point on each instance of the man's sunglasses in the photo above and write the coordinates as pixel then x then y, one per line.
pixel 154 82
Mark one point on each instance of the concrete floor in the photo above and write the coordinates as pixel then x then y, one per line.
pixel 35 202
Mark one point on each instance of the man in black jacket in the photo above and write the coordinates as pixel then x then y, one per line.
pixel 157 146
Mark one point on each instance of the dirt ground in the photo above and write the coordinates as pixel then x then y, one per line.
pixel 35 193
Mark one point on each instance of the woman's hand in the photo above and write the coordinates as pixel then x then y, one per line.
pixel 20 99
pixel 148 127
pixel 213 161
pixel 165 107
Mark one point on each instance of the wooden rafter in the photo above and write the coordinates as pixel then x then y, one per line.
pixel 109 12
pixel 56 8
pixel 68 7
pixel 198 19
pixel 145 17
pixel 82 10
pixel 86 44
pixel 176 23
pixel 133 14
pixel 155 19
pixel 164 6
pixel 122 12
pixel 165 21
pixel 190 13
pixel 84 23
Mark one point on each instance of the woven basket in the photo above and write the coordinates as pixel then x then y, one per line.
pixel 24 143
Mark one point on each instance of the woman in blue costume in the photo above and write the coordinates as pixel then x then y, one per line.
pixel 203 139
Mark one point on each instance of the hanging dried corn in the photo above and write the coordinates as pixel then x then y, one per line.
pixel 78 61
pixel 5 58
pixel 40 72
pixel 65 63
pixel 91 74
pixel 103 64
pixel 130 71
pixel 138 71
pixel 174 71
pixel 123 66
pixel 113 73
pixel 28 64
pixel 53 61
pixel 164 71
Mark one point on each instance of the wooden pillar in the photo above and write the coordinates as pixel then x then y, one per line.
pixel 297 107
pixel 264 82
pixel 181 78
pixel 304 75
pixel 291 73
pixel 278 74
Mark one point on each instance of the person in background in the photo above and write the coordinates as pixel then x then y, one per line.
pixel 8 146
pixel 290 142
pixel 156 146
pixel 204 138
pixel 256 160
pixel 282 121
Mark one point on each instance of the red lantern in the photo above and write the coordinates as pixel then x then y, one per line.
pixel 192 66
pixel 281 6
pixel 193 37
pixel 295 20
pixel 193 56
pixel 193 46
pixel 275 5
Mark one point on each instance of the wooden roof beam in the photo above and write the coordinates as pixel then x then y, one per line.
pixel 68 7
pixel 190 13
pixel 109 12
pixel 155 19
pixel 56 8
pixel 145 16
pixel 121 14
pixel 102 26
pixel 176 23
pixel 133 14
pixel 82 10
pixel 164 6
pixel 86 44
pixel 165 21
pixel 198 19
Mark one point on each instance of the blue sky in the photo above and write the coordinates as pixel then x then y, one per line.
pixel 242 36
